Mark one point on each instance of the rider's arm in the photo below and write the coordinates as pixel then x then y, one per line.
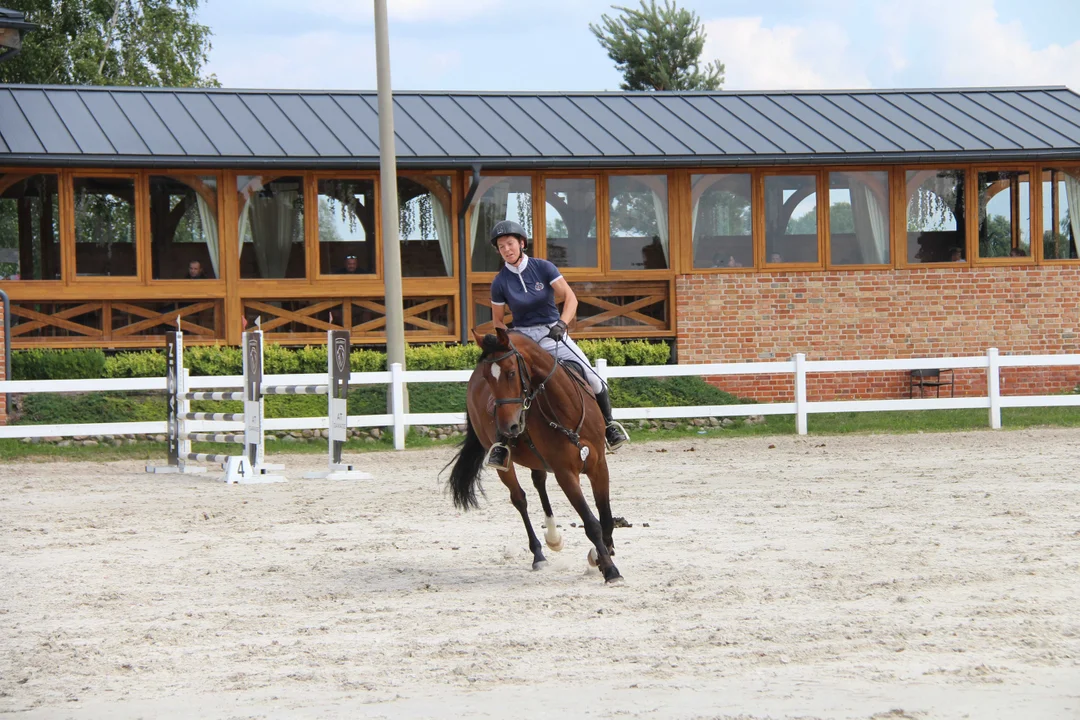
pixel 497 313
pixel 565 295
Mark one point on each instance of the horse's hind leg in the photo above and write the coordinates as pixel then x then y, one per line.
pixel 552 536
pixel 517 497
pixel 571 485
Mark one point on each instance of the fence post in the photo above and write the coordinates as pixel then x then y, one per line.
pixel 800 393
pixel 397 395
pixel 601 368
pixel 993 387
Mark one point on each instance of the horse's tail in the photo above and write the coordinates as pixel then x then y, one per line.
pixel 465 476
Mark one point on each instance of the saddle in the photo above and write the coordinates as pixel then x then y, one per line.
pixel 577 374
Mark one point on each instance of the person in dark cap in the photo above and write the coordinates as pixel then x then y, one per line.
pixel 531 287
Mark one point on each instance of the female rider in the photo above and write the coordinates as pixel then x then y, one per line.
pixel 532 287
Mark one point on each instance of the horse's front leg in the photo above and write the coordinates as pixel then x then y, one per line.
pixel 552 536
pixel 571 485
pixel 517 497
pixel 599 479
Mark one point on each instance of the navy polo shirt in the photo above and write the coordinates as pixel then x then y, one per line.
pixel 529 294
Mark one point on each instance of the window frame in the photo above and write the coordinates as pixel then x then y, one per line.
pixel 900 219
pixel 63 226
pixel 890 180
pixel 821 190
pixel 686 213
pixel 601 251
pixel 973 198
pixel 311 230
pixel 675 227
pixel 255 286
pixel 1037 217
pixel 211 284
pixel 141 239
pixel 538 248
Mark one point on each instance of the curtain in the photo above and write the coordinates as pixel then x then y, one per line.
pixel 210 231
pixel 491 201
pixel 442 229
pixel 871 225
pixel 1072 194
pixel 657 185
pixel 273 223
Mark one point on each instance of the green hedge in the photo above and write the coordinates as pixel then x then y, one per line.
pixel 48 364
pixel 60 408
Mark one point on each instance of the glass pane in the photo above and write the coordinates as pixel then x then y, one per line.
pixel 859 218
pixel 791 231
pixel 105 227
pixel 425 226
pixel 935 216
pixel 346 227
pixel 29 227
pixel 1061 213
pixel 1004 214
pixel 722 230
pixel 497 199
pixel 639 222
pixel 183 227
pixel 570 220
pixel 271 226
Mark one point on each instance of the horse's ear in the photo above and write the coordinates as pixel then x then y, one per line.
pixel 503 338
pixel 478 337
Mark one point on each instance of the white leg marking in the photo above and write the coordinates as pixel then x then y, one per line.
pixel 552 536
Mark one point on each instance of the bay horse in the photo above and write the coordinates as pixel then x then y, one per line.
pixel 550 421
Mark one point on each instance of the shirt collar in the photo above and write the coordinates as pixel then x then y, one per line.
pixel 521 266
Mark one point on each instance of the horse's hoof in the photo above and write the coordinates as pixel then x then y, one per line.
pixel 556 546
pixel 616 581
pixel 593 558
pixel 540 564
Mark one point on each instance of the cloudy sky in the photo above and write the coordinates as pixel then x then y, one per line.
pixel 546 44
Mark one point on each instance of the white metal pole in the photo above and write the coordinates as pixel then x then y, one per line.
pixel 391 246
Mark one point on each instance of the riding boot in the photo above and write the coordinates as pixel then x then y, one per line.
pixel 498 456
pixel 614 433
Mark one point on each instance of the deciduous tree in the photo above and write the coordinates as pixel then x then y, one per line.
pixel 112 42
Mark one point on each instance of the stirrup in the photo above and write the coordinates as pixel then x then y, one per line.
pixel 615 435
pixel 498 457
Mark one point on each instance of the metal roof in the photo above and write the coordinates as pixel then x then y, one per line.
pixel 15 19
pixel 94 126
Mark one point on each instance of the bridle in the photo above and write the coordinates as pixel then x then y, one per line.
pixel 528 393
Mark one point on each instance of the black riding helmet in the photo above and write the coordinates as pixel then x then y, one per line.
pixel 508 227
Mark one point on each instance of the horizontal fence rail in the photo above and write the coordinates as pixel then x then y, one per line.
pixel 397 378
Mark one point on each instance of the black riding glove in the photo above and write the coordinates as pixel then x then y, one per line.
pixel 557 331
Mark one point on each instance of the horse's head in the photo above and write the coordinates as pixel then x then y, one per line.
pixel 507 375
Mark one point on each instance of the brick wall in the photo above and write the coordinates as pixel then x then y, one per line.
pixel 862 315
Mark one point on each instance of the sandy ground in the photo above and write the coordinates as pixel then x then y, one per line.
pixel 927 576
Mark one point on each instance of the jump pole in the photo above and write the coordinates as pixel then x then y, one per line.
pixel 248 468
pixel 337 399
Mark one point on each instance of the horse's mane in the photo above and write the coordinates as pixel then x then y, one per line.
pixel 490 345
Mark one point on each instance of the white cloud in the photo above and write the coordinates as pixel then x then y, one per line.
pixel 329 61
pixel 966 43
pixel 783 57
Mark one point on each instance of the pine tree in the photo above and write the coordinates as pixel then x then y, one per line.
pixel 658 48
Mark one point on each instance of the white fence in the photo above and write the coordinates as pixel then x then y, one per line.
pixel 399 420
